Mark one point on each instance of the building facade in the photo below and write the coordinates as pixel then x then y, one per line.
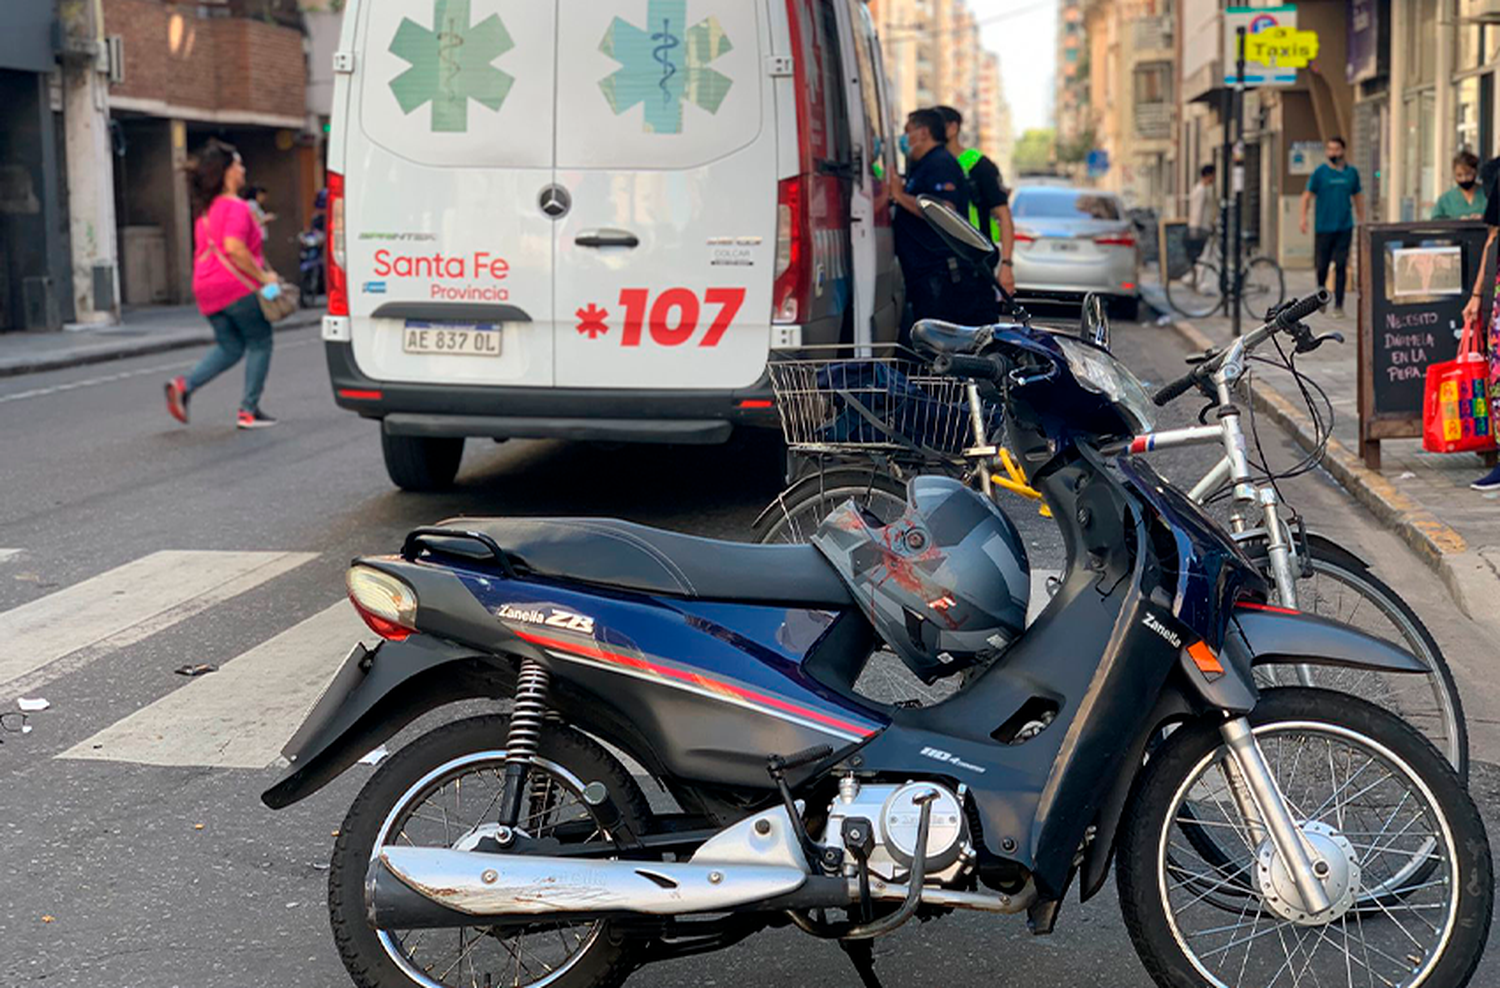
pixel 234 71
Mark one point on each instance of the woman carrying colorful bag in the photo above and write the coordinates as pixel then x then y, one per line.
pixel 1488 348
pixel 235 288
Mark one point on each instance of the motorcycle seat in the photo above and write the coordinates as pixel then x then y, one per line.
pixel 936 336
pixel 622 554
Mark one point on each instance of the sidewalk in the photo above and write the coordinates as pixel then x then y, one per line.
pixel 147 330
pixel 1424 497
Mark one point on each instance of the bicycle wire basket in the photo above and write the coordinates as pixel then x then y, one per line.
pixel 882 399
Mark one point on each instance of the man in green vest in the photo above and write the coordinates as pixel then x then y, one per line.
pixel 989 202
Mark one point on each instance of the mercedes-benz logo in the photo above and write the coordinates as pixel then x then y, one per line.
pixel 556 202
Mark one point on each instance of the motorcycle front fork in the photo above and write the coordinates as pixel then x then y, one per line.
pixel 1267 814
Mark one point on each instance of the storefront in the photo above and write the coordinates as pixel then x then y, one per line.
pixel 35 279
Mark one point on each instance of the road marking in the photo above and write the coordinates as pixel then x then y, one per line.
pixel 6 555
pixel 123 376
pixel 65 631
pixel 242 715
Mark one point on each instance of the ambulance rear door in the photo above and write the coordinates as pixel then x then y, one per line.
pixel 449 199
pixel 667 151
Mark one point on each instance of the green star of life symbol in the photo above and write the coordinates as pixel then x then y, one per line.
pixel 450 65
pixel 665 64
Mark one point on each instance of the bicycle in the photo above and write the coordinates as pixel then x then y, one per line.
pixel 867 423
pixel 1199 287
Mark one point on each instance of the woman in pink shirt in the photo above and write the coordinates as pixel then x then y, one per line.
pixel 229 270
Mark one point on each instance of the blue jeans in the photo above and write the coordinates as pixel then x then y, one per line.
pixel 239 331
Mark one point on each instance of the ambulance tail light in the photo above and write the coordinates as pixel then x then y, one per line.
pixel 338 281
pixel 793 253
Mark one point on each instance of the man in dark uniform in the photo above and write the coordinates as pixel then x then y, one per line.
pixel 938 286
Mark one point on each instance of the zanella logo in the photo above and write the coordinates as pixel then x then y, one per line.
pixel 552 617
pixel 1150 621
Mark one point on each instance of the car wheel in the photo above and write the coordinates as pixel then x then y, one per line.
pixel 1125 309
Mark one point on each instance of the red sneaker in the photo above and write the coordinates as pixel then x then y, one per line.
pixel 177 399
pixel 254 420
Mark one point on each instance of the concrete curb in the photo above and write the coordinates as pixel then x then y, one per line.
pixel 125 349
pixel 1472 577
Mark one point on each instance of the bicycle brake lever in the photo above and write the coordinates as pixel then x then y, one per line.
pixel 1020 380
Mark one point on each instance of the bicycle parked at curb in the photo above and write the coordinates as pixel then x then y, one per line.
pixel 1199 287
pixel 864 424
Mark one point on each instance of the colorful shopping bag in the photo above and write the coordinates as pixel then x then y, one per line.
pixel 1456 408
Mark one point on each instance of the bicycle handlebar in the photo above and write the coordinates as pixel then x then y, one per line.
pixel 1288 319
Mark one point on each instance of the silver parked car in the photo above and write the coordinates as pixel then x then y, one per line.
pixel 1072 241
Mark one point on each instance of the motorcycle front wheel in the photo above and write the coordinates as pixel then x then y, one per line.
pixel 1369 795
pixel 444 790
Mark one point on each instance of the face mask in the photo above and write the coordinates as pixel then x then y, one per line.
pixel 904 144
pixel 1468 184
pixel 1334 159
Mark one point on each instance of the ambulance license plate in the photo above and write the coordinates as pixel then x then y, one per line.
pixel 451 338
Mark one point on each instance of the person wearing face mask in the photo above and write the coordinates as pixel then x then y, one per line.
pixel 1466 200
pixel 1335 186
pixel 937 286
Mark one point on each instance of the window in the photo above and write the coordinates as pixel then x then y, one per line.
pixel 1153 83
pixel 1064 204
pixel 833 143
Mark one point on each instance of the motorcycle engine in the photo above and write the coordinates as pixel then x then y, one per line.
pixel 894 820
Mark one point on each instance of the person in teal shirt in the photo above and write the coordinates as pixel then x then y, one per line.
pixel 1466 200
pixel 1336 188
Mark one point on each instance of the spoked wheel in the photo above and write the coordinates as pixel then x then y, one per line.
pixel 797 512
pixel 1264 287
pixel 1339 587
pixel 1397 845
pixel 1197 293
pixel 444 790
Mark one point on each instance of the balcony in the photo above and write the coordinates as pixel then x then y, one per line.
pixel 1153 121
pixel 1151 34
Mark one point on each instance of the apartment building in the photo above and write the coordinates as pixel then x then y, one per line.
pixel 934 54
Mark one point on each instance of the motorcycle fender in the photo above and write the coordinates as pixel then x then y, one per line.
pixel 372 697
pixel 1273 635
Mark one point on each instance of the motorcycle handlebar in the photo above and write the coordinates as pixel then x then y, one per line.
pixel 964 365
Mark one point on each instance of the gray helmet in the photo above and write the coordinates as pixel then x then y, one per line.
pixel 945 585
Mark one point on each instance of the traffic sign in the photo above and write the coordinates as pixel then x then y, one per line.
pixel 1282 48
pixel 1255 21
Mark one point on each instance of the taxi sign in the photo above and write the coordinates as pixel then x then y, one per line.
pixel 1282 47
pixel 1256 21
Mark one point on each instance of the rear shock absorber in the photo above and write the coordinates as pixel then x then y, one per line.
pixel 523 739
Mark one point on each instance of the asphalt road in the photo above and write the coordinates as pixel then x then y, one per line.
pixel 134 850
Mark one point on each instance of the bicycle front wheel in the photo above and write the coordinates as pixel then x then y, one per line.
pixel 1264 287
pixel 798 511
pixel 1339 586
pixel 1197 293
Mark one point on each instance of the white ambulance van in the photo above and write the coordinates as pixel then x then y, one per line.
pixel 594 219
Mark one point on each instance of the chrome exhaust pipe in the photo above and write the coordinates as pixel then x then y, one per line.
pixel 754 861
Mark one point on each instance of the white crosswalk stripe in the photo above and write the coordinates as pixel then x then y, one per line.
pixel 6 555
pixel 67 630
pixel 240 716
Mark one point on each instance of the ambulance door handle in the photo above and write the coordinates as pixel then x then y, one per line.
pixel 607 238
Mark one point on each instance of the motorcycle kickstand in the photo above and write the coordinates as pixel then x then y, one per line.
pixel 861 954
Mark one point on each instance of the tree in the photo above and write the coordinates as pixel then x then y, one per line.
pixel 1076 151
pixel 1033 151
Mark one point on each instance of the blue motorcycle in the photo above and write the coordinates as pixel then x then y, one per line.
pixel 1258 838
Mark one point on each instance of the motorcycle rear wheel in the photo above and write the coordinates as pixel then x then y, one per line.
pixel 401 804
pixel 1342 763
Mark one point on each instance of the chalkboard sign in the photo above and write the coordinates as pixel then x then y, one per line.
pixel 1175 259
pixel 1415 279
